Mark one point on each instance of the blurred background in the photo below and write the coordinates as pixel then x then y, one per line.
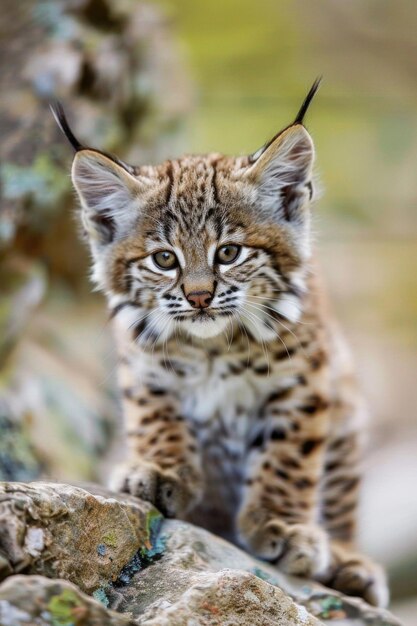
pixel 149 81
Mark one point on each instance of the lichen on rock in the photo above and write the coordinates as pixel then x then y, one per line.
pixel 140 569
pixel 58 530
pixel 230 597
pixel 30 600
pixel 118 70
pixel 198 570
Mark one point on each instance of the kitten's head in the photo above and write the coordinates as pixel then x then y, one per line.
pixel 203 242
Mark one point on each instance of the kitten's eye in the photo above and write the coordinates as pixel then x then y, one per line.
pixel 227 254
pixel 166 260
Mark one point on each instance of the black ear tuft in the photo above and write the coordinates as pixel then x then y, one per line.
pixel 61 120
pixel 303 110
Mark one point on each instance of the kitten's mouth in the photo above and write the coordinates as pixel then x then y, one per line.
pixel 206 323
pixel 204 314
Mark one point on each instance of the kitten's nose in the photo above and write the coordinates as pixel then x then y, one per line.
pixel 200 299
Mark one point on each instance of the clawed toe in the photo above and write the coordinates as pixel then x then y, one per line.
pixel 147 481
pixel 307 551
pixel 301 549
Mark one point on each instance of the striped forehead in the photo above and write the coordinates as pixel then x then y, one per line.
pixel 191 204
pixel 194 203
pixel 193 233
pixel 193 185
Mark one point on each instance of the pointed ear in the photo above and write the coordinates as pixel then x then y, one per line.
pixel 282 175
pixel 109 195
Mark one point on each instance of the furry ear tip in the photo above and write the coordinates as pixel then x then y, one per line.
pixel 57 111
pixel 85 152
pixel 307 101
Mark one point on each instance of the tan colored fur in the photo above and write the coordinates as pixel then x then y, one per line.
pixel 244 417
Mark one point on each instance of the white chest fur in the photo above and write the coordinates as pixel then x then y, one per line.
pixel 221 396
pixel 219 393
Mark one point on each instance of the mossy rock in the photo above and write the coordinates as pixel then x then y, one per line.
pixel 62 531
pixel 37 600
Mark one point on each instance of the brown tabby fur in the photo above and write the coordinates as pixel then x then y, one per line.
pixel 243 417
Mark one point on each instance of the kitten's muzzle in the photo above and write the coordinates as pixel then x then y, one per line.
pixel 200 299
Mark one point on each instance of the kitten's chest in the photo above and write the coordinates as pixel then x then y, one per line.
pixel 221 396
pixel 218 387
pixel 223 400
pixel 222 403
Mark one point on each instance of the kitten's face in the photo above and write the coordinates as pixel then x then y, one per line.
pixel 202 244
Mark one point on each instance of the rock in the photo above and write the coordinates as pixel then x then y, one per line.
pixel 62 531
pixel 195 569
pixel 171 574
pixel 230 597
pixel 17 456
pixel 119 71
pixel 27 600
pixel 226 597
pixel 58 404
pixel 119 66
pixel 23 286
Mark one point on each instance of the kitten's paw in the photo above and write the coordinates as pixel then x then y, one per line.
pixel 165 489
pixel 357 575
pixel 307 551
pixel 299 549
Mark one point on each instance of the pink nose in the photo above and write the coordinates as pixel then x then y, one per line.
pixel 200 299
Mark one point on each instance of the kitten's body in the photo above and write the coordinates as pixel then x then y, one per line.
pixel 241 408
pixel 223 384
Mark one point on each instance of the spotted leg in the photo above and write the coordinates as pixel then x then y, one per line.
pixel 162 464
pixel 350 572
pixel 277 520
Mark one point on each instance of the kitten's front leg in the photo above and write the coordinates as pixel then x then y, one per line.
pixel 163 464
pixel 277 519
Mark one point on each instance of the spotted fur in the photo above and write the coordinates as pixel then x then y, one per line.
pixel 244 415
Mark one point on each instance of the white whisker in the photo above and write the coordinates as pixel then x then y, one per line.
pixel 278 336
pixel 255 321
pixel 258 307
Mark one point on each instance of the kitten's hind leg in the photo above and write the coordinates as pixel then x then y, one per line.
pixel 354 574
pixel 349 572
pixel 340 487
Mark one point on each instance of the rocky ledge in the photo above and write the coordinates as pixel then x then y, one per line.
pixel 74 556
